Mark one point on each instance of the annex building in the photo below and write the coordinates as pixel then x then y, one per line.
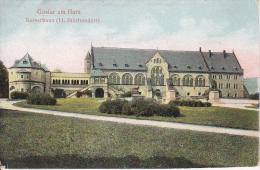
pixel 162 74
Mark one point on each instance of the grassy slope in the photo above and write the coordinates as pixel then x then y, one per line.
pixel 44 141
pixel 212 116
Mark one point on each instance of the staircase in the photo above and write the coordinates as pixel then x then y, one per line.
pixel 83 89
pixel 115 91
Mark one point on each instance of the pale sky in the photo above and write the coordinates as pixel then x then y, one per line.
pixel 148 24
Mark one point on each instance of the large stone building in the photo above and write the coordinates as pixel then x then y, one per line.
pixel 155 73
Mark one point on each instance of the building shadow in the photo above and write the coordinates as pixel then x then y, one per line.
pixel 76 161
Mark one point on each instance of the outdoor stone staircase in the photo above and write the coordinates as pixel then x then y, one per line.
pixel 83 89
pixel 115 91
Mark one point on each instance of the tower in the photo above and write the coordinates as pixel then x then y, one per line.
pixel 87 63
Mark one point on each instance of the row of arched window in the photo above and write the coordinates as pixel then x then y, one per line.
pixel 188 81
pixel 73 82
pixel 127 78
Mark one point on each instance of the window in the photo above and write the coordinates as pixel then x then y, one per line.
pixel 157 78
pixel 188 93
pixel 200 81
pixel 199 93
pixel 220 76
pixel 114 78
pixel 228 76
pixel 22 90
pixel 187 80
pixel 175 80
pixel 24 62
pixel 21 76
pixel 127 79
pixel 96 80
pixel 235 77
pixel 102 80
pixel 140 79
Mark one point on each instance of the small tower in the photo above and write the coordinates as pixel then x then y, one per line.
pixel 87 65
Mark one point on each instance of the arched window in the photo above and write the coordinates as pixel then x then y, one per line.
pixel 127 79
pixel 12 88
pixel 157 78
pixel 53 81
pixel 22 90
pixel 139 79
pixel 200 81
pixel 187 80
pixel 175 79
pixel 114 78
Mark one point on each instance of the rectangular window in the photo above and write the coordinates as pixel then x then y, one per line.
pixel 21 76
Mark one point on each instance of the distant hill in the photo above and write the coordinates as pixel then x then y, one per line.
pixel 252 85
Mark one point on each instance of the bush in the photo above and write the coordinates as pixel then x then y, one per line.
pixel 126 94
pixel 126 109
pixel 41 99
pixel 18 95
pixel 190 103
pixel 168 110
pixel 254 96
pixel 58 93
pixel 139 107
pixel 143 107
pixel 112 106
pixel 86 92
pixel 207 104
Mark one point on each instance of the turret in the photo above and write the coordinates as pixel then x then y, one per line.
pixel 87 65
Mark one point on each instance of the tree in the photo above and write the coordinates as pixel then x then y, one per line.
pixel 4 82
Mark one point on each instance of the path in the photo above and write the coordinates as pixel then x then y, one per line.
pixel 9 105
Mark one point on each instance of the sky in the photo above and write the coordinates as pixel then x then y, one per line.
pixel 184 25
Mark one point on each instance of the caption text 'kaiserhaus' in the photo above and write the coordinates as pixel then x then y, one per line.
pixel 61 16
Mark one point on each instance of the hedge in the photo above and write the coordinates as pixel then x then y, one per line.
pixel 139 107
pixel 41 99
pixel 191 103
pixel 86 92
pixel 18 95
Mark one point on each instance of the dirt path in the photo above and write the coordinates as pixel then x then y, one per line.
pixel 9 105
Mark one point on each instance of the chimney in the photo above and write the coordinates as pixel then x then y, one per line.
pixel 200 49
pixel 209 53
pixel 224 53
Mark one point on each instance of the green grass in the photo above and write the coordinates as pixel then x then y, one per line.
pixel 30 140
pixel 254 105
pixel 211 116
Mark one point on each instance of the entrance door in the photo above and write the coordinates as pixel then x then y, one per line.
pixel 99 93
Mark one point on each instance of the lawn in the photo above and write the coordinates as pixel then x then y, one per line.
pixel 211 116
pixel 29 140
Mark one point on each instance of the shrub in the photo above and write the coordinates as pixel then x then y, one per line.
pixel 190 103
pixel 41 99
pixel 254 96
pixel 144 107
pixel 112 106
pixel 207 104
pixel 18 95
pixel 168 110
pixel 88 93
pixel 58 93
pixel 126 94
pixel 78 94
pixel 126 109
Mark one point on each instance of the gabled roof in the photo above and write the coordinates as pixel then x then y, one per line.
pixel 98 73
pixel 218 62
pixel 135 59
pixel 28 62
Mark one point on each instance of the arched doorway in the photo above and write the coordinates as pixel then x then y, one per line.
pixel 99 93
pixel 36 89
pixel 158 92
